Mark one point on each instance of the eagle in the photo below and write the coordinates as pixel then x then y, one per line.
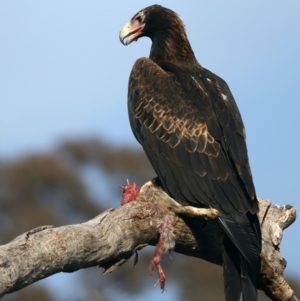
pixel 191 130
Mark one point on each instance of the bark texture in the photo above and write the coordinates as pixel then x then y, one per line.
pixel 112 237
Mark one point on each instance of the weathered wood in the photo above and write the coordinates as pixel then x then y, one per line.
pixel 111 238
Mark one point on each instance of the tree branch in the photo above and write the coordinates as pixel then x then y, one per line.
pixel 111 238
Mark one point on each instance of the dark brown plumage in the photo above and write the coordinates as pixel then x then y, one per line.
pixel 187 121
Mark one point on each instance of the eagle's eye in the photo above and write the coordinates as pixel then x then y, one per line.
pixel 139 19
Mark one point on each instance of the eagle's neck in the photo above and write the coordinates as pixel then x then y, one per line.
pixel 170 45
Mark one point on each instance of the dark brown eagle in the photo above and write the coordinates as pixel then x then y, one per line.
pixel 188 123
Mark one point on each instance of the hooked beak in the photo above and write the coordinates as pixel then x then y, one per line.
pixel 131 32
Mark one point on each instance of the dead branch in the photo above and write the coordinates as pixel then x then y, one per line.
pixel 111 238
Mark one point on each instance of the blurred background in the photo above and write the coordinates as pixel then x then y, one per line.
pixel 65 141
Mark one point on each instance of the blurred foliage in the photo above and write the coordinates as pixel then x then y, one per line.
pixel 33 293
pixel 64 187
pixel 126 161
pixel 40 190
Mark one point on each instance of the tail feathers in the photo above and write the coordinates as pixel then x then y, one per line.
pixel 231 271
pixel 248 276
pixel 239 275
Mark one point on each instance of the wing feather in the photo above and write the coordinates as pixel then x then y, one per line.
pixel 189 137
pixel 192 132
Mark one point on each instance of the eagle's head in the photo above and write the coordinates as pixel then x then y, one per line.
pixel 154 22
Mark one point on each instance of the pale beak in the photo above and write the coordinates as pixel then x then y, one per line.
pixel 131 32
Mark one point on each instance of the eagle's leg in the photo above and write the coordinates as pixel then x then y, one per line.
pixel 166 243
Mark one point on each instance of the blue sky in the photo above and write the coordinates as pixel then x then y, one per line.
pixel 64 73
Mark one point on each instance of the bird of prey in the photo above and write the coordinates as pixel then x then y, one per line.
pixel 190 128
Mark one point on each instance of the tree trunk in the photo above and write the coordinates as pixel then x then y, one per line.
pixel 111 238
